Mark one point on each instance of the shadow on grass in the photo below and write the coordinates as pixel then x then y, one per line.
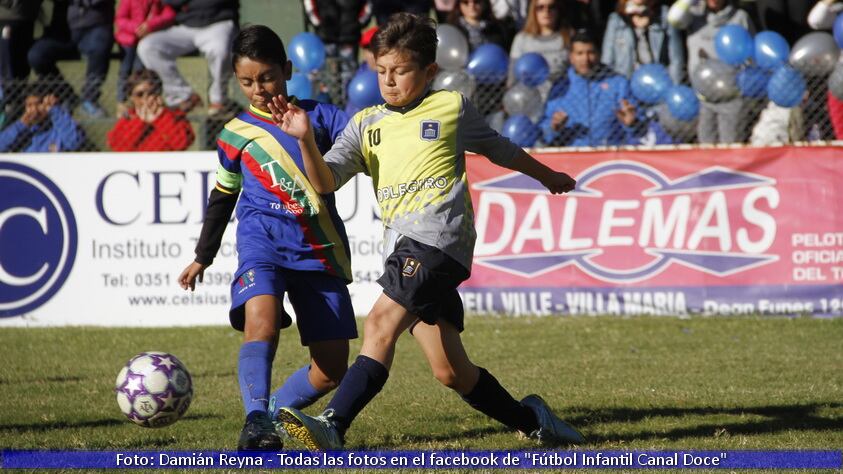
pixel 778 418
pixel 64 425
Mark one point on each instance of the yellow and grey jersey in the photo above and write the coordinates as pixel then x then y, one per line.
pixel 416 158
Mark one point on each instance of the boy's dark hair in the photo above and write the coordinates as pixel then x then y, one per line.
pixel 583 36
pixel 410 34
pixel 258 42
pixel 139 77
pixel 38 89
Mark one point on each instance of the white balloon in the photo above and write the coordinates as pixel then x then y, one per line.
pixel 452 48
pixel 523 100
pixel 458 81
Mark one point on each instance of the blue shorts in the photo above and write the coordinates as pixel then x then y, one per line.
pixel 321 301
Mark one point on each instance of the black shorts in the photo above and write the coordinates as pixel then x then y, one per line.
pixel 424 280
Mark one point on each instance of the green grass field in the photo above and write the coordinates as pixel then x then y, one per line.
pixel 637 383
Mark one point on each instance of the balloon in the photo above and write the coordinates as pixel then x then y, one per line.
pixel 521 130
pixel 752 82
pixel 458 81
pixel 715 81
pixel 531 69
pixel 363 89
pixel 681 130
pixel 733 44
pixel 786 87
pixel 771 49
pixel 838 30
pixel 307 52
pixel 815 54
pixel 682 103
pixel 299 86
pixel 835 82
pixel 650 82
pixel 488 64
pixel 522 100
pixel 452 47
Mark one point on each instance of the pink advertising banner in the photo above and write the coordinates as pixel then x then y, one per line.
pixel 703 231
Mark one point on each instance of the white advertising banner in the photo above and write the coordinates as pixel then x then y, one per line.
pixel 100 239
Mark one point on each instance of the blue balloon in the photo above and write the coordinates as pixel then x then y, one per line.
pixel 682 102
pixel 363 89
pixel 488 64
pixel 838 30
pixel 299 86
pixel 752 82
pixel 733 44
pixel 521 130
pixel 771 50
pixel 650 83
pixel 307 52
pixel 786 87
pixel 531 69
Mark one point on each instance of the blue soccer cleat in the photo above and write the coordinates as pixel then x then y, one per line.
pixel 552 430
pixel 316 433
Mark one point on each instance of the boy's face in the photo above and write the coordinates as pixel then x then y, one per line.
pixel 260 81
pixel 400 79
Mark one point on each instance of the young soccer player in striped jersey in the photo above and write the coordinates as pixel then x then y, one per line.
pixel 290 239
pixel 413 148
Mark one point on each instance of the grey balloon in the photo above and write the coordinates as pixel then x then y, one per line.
pixel 835 82
pixel 523 100
pixel 452 48
pixel 815 54
pixel 684 131
pixel 715 81
pixel 459 81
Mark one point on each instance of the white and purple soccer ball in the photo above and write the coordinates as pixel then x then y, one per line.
pixel 154 389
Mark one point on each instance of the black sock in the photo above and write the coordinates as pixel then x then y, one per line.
pixel 490 398
pixel 363 380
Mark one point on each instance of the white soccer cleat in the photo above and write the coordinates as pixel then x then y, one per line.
pixel 552 430
pixel 316 433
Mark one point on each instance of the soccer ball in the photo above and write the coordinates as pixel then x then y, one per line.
pixel 154 389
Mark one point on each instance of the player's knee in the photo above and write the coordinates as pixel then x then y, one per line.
pixel 447 377
pixel 377 328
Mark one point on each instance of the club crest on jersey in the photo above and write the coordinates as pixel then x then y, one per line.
pixel 430 130
pixel 247 278
pixel 411 267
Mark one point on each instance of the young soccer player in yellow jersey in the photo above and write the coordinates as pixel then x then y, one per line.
pixel 413 148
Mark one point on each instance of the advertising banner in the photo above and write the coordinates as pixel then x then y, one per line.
pixel 704 231
pixel 101 239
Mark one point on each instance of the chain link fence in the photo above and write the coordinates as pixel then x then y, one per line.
pixel 739 108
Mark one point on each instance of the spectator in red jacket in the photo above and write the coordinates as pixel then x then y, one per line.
pixel 150 125
pixel 134 20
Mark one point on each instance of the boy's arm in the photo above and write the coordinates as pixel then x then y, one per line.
pixel 344 160
pixel 479 138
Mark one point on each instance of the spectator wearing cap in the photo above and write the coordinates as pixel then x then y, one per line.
pixel 638 33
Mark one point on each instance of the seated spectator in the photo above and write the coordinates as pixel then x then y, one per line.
pixel 150 125
pixel 546 32
pixel 383 9
pixel 90 23
pixel 722 122
pixel 596 110
pixel 17 27
pixel 821 17
pixel 45 126
pixel 638 33
pixel 338 24
pixel 134 20
pixel 474 18
pixel 206 25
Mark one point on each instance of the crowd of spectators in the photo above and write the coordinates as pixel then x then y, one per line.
pixel 592 46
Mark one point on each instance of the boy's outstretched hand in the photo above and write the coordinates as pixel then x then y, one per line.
pixel 291 119
pixel 559 183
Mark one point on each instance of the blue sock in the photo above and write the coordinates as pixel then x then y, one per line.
pixel 253 373
pixel 297 392
pixel 364 379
